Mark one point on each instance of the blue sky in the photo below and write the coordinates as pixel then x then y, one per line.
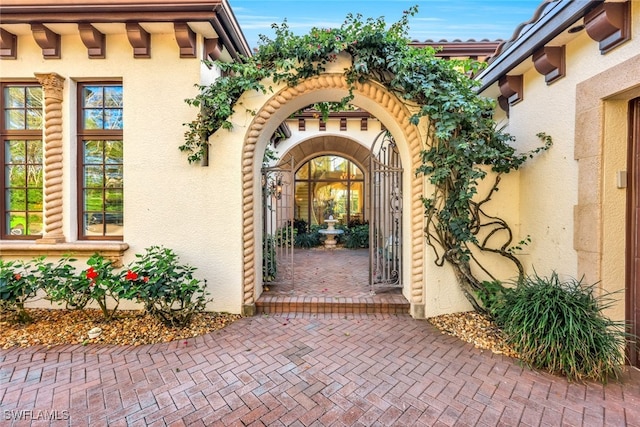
pixel 436 19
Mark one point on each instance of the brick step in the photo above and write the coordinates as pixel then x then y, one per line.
pixel 278 304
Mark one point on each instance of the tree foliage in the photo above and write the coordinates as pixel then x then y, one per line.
pixel 463 142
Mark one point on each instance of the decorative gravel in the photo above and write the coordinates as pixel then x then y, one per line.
pixel 53 327
pixel 476 329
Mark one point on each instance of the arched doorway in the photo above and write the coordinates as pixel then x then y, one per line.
pixel 393 114
pixel 326 185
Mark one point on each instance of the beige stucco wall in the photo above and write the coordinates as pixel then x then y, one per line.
pixel 191 209
pixel 570 203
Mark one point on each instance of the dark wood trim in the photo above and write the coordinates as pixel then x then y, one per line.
pixel 322 125
pixel 212 49
pixel 521 46
pixel 94 40
pixel 83 135
pixel 512 87
pixel 364 123
pixel 550 62
pixel 139 39
pixel 632 264
pixel 48 41
pixel 459 49
pixel 343 123
pixel 302 124
pixel 609 24
pixel 186 39
pixel 17 134
pixel 8 45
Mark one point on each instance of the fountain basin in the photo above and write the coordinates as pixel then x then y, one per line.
pixel 331 233
pixel 330 242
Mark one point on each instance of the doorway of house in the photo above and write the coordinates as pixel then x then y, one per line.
pixel 366 202
pixel 632 294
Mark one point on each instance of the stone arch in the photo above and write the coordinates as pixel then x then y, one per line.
pixel 395 116
pixel 314 146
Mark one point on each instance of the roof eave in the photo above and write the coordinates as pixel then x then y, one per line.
pixel 549 26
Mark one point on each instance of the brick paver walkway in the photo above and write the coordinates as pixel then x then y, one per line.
pixel 329 370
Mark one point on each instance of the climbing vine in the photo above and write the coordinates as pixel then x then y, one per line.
pixel 464 144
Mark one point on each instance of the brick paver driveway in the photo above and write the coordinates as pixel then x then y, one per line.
pixel 329 371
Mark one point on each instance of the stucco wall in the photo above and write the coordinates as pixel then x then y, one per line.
pixel 570 202
pixel 191 209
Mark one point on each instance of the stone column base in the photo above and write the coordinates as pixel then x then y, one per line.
pixel 417 311
pixel 249 310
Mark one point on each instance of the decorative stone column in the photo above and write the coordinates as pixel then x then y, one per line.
pixel 52 84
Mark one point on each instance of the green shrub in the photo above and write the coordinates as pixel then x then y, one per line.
pixel 17 285
pixel 104 284
pixel 559 327
pixel 167 288
pixel 492 295
pixel 357 236
pixel 62 284
pixel 308 240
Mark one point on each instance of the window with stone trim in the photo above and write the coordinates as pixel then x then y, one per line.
pixel 21 124
pixel 100 157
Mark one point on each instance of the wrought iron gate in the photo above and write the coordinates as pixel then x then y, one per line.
pixel 385 225
pixel 278 234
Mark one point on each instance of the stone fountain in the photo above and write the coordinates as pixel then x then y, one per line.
pixel 330 232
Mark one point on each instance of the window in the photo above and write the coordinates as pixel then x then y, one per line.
pixel 329 185
pixel 21 157
pixel 100 145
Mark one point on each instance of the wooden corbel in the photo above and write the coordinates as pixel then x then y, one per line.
pixel 511 87
pixel 550 62
pixel 212 49
pixel 139 39
pixel 93 39
pixel 8 45
pixel 609 24
pixel 48 41
pixel 186 39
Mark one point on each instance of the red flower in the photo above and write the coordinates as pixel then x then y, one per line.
pixel 17 276
pixel 131 275
pixel 145 279
pixel 91 274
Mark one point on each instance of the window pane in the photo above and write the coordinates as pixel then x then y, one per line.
pixel 113 152
pixel 16 223
pixel 34 119
pixel 14 119
pixel 93 119
pixel 114 200
pixel 14 97
pixel 102 169
pixel 34 97
pixel 34 176
pixel 35 224
pixel 302 201
pixel 113 96
pixel 16 199
pixel 113 119
pixel 303 172
pixel 22 177
pixel 93 200
pixel 92 96
pixel 102 107
pixel 34 199
pixel 93 176
pixel 93 152
pixel 355 172
pixel 14 152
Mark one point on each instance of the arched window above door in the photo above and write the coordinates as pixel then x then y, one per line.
pixel 330 185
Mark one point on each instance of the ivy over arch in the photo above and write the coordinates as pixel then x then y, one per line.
pixel 466 143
